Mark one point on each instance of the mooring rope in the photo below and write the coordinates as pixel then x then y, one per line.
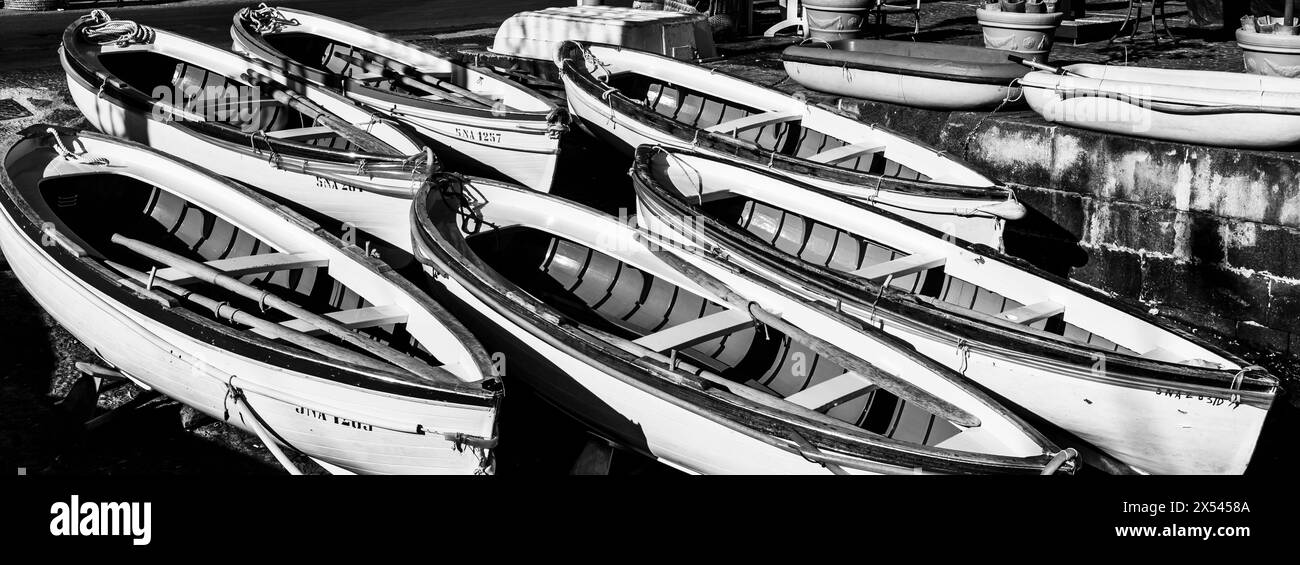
pixel 106 31
pixel 266 19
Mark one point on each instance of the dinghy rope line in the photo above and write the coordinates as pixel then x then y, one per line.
pixel 1238 380
pixel 1006 99
pixel 104 30
pixel 466 205
pixel 69 154
pixel 260 428
pixel 1059 460
pixel 963 349
pixel 266 19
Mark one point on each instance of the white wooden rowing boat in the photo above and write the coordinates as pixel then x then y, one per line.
pixel 1156 398
pixel 1204 107
pixel 321 151
pixel 426 406
pixel 632 98
pixel 692 365
pixel 926 75
pixel 471 112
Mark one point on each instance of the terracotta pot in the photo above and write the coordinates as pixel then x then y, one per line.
pixel 1273 54
pixel 1030 35
pixel 832 20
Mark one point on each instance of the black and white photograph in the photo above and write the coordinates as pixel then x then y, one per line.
pixel 514 241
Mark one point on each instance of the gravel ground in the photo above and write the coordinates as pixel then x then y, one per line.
pixel 36 367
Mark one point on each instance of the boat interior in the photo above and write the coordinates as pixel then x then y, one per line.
pixel 783 133
pixel 449 83
pixel 222 101
pixel 600 291
pixel 90 208
pixel 832 247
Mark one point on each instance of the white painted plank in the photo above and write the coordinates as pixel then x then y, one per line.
pixel 832 391
pixel 753 121
pixel 356 318
pixel 696 331
pixel 845 152
pixel 298 133
pixel 900 267
pixel 250 265
pixel 1034 312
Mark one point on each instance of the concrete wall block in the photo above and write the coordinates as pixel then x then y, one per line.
pixel 1205 287
pixel 1258 336
pixel 1283 305
pixel 1271 250
pixel 1118 271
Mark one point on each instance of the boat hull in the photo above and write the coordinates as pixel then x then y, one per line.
pixel 301 409
pixel 345 197
pixel 921 92
pixel 627 133
pixel 1199 107
pixel 1152 424
pixel 1246 130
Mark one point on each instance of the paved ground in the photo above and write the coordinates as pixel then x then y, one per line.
pixel 36 366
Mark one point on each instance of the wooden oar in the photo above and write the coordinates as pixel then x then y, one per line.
pixel 849 362
pixel 384 63
pixel 237 316
pixel 213 276
pixel 366 141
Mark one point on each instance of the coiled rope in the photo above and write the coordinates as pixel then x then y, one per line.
pixel 105 31
pixel 266 19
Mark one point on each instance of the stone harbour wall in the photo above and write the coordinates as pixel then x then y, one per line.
pixel 1209 236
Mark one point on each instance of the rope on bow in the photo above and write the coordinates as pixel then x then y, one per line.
pixel 266 19
pixel 69 154
pixel 122 32
pixel 557 123
pixel 457 193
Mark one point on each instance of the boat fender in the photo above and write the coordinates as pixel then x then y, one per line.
pixel 1067 456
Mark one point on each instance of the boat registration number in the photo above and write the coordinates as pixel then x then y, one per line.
pixel 1206 398
pixel 335 185
pixel 318 415
pixel 479 135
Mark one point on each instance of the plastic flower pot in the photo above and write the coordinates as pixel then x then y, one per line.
pixel 836 19
pixel 1030 35
pixel 1273 54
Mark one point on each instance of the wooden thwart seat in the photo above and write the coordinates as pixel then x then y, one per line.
pixel 355 319
pixel 754 121
pixel 249 265
pixel 832 392
pixel 696 331
pixel 1033 312
pixel 900 267
pixel 313 132
pixel 845 152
